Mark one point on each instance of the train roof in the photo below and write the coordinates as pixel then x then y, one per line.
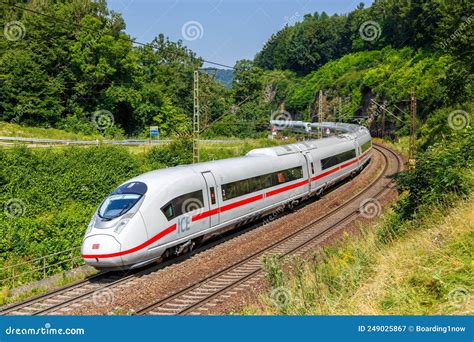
pixel 302 146
pixel 248 160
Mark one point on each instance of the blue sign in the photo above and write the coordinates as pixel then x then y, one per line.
pixel 154 131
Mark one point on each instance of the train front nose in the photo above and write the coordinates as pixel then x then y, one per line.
pixel 101 251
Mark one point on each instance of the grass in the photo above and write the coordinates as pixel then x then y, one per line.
pixel 426 271
pixel 15 130
pixel 401 146
pixel 8 296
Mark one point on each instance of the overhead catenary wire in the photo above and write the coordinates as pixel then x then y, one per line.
pixel 248 98
pixel 122 37
pixel 385 108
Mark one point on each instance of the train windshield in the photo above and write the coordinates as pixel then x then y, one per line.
pixel 122 199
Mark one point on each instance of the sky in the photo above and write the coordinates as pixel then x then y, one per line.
pixel 222 31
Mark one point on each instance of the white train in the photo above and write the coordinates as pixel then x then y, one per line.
pixel 169 211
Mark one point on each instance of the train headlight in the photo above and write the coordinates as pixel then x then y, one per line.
pixel 91 225
pixel 121 225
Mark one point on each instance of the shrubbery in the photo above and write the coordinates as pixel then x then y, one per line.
pixel 55 193
pixel 176 153
pixel 442 174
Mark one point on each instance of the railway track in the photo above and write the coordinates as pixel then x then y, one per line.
pixel 199 297
pixel 68 297
pixel 70 294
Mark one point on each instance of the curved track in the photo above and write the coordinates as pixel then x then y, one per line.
pixel 198 297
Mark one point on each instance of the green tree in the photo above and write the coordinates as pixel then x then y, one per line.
pixel 171 119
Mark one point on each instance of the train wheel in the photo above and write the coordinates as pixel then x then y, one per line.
pixel 292 205
pixel 196 243
pixel 319 193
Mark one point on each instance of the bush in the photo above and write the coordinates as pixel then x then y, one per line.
pixel 273 268
pixel 55 193
pixel 75 125
pixel 178 152
pixel 443 170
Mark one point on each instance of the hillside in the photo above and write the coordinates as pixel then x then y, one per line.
pixel 385 75
pixel 225 76
pixel 425 272
pixel 110 86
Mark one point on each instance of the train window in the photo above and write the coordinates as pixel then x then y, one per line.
pixel 121 200
pixel 366 146
pixel 183 204
pixel 337 159
pixel 168 211
pixel 117 205
pixel 249 185
pixel 293 174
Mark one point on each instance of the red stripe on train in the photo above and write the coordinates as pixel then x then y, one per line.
pixel 286 188
pixel 245 201
pixel 226 207
pixel 134 249
pixel 222 209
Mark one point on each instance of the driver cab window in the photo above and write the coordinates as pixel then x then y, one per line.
pixel 121 200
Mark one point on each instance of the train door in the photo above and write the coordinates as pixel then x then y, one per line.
pixel 310 167
pixel 358 152
pixel 212 200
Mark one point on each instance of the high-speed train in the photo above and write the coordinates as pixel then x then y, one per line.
pixel 169 211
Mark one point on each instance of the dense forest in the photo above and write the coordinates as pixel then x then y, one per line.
pixel 63 62
pixel 64 70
